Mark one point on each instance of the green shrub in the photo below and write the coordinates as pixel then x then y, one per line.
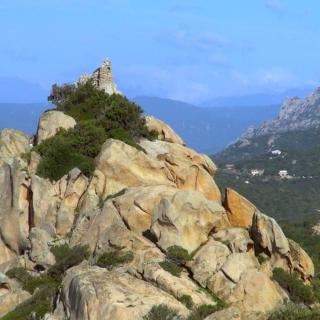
pixel 59 157
pixel 114 258
pixel 60 251
pixel 203 311
pixel 74 257
pixel 178 255
pixel 295 312
pixel 261 259
pixel 20 274
pixel 43 281
pixel 99 116
pixel 298 291
pixel 161 312
pixel 186 300
pixel 171 267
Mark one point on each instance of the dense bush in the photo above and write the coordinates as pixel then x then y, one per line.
pixel 161 312
pixel 178 255
pixel 295 312
pixel 171 267
pixel 20 274
pixel 73 257
pixel 203 311
pixel 114 258
pixel 298 291
pixel 99 116
pixel 43 289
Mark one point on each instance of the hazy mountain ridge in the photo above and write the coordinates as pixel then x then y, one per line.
pixel 206 129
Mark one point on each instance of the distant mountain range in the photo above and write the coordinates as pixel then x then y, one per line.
pixel 206 129
pixel 21 116
pixel 253 100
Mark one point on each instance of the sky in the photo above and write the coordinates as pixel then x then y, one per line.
pixel 186 50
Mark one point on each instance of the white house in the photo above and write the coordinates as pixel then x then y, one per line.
pixel 283 173
pixel 276 152
pixel 257 172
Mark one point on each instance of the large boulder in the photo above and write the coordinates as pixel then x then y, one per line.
pixel 14 205
pixel 51 122
pixel 189 169
pixel 162 130
pixel 40 252
pixel 237 239
pixel 92 293
pixel 13 143
pixel 186 219
pixel 137 204
pixel 54 203
pixel 269 238
pixel 301 261
pixel 124 166
pixel 240 210
pixel 208 260
pixel 163 163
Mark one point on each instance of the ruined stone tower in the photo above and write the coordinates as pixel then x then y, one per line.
pixel 102 78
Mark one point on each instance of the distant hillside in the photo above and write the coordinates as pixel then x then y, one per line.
pixel 21 116
pixel 296 197
pixel 259 99
pixel 206 129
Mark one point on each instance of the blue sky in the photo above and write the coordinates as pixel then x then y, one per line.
pixel 186 50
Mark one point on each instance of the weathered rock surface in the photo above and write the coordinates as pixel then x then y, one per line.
pixel 50 122
pixel 269 237
pixel 189 170
pixel 13 143
pixel 163 131
pixel 301 261
pixel 92 293
pixel 237 239
pixel 137 204
pixel 240 211
pixel 208 260
pixel 40 250
pixel 186 219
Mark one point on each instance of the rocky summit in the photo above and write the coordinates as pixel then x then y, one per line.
pixel 146 234
pixel 295 114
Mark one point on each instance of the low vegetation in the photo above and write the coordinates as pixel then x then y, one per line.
pixel 203 311
pixel 171 267
pixel 114 258
pixel 161 312
pixel 176 259
pixel 44 288
pixel 295 312
pixel 186 300
pixel 298 291
pixel 99 116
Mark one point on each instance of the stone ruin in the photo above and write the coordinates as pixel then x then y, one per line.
pixel 102 78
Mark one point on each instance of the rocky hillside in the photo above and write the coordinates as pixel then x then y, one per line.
pixel 295 114
pixel 143 235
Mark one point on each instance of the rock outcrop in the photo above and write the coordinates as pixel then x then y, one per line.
pixel 51 122
pixel 162 130
pixel 143 201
